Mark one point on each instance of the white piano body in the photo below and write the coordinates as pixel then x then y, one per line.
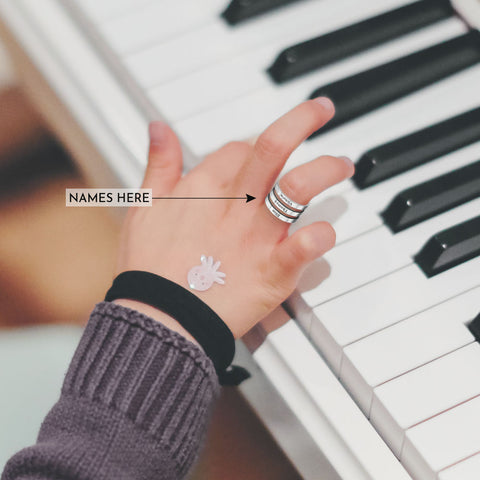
pixel 112 89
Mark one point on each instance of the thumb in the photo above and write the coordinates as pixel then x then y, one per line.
pixel 164 167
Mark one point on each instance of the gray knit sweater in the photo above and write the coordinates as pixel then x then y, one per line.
pixel 135 403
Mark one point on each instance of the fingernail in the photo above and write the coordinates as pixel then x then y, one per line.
pixel 326 103
pixel 156 131
pixel 348 162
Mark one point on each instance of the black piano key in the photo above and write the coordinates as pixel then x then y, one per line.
pixel 474 327
pixel 323 50
pixel 450 248
pixel 240 10
pixel 422 146
pixel 435 196
pixel 366 91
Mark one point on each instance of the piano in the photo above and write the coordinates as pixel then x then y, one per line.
pixel 373 373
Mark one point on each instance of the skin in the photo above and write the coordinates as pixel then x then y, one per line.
pixel 262 263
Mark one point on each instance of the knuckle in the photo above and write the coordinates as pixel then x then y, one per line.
pixel 203 177
pixel 306 246
pixel 329 233
pixel 198 176
pixel 269 145
pixel 293 183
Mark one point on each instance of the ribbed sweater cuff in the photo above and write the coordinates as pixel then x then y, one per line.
pixel 135 365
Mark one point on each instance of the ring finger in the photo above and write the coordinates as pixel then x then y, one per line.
pixel 303 183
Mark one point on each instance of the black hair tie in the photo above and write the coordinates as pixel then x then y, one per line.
pixel 190 312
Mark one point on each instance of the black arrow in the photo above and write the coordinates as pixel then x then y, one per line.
pixel 247 197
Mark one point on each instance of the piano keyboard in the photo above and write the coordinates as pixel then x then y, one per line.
pixel 389 306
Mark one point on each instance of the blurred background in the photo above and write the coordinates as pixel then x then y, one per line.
pixel 55 264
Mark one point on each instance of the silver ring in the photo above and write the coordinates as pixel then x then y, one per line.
pixel 276 213
pixel 275 202
pixel 282 207
pixel 288 201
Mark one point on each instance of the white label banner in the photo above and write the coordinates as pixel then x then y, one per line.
pixel 108 197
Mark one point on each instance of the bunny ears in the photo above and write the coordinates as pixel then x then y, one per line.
pixel 208 262
pixel 202 277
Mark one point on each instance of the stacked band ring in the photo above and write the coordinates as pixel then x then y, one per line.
pixel 282 207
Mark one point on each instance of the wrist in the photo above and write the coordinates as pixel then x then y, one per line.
pixel 157 315
pixel 175 306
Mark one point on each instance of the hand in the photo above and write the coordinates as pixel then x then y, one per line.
pixel 261 262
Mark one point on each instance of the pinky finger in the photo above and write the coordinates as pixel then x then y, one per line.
pixel 295 253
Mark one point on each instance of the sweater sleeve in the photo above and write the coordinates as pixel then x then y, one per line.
pixel 135 404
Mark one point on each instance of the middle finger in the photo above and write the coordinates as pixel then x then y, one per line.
pixel 275 145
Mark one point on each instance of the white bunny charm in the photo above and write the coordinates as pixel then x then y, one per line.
pixel 201 277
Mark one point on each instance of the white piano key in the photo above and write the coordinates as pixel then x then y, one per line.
pixel 361 209
pixel 425 392
pixel 384 302
pixel 443 440
pixel 378 257
pixel 408 344
pixel 467 469
pixel 218 41
pixel 100 11
pixel 322 406
pixel 382 252
pixel 208 87
pixel 248 115
pixel 157 21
